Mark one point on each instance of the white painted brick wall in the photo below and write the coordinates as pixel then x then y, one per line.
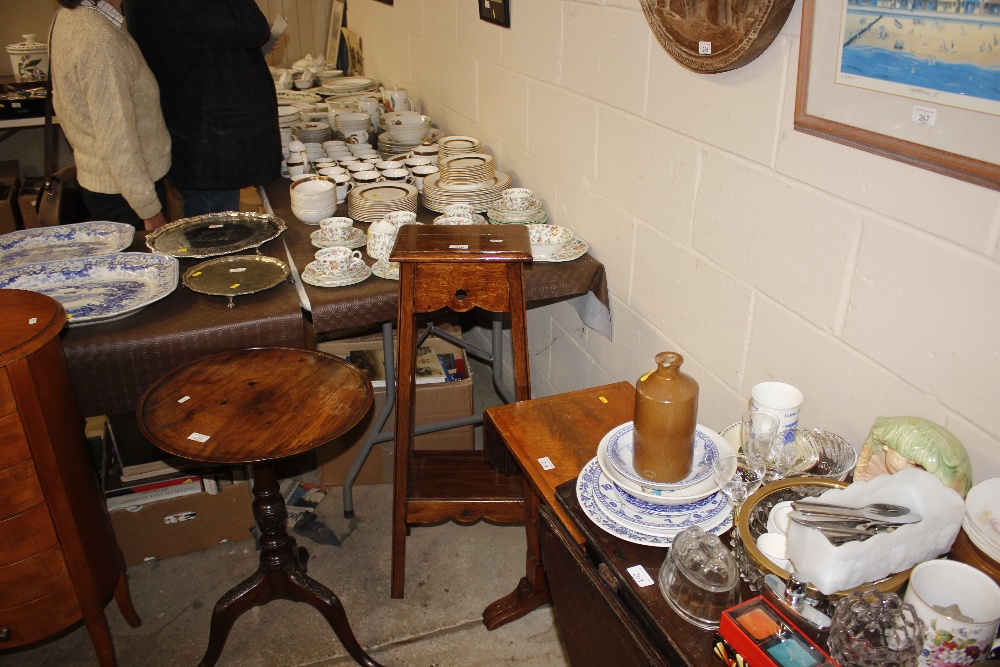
pixel 756 251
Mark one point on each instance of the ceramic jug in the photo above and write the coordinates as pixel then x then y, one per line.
pixel 396 99
pixel 29 59
pixel 666 416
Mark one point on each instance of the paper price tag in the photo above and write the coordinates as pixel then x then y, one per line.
pixel 33 320
pixel 924 115
pixel 234 286
pixel 640 576
pixel 458 246
pixel 183 399
pixel 199 437
pixel 242 268
pixel 182 250
pixel 215 226
pixel 196 274
pixel 705 48
pixel 496 240
pixel 546 463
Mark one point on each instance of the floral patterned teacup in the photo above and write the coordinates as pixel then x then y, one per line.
pixel 960 608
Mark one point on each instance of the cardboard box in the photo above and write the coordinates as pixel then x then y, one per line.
pixel 10 188
pixel 435 402
pixel 27 199
pixel 153 532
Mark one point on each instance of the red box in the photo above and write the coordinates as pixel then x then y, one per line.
pixel 756 633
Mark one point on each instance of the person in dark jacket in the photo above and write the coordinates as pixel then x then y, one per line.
pixel 217 95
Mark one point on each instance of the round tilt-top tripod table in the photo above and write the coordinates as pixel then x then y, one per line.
pixel 256 406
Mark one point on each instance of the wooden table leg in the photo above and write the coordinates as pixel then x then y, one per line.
pixel 533 589
pixel 281 574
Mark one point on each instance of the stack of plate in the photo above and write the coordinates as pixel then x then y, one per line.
pixel 436 195
pixel 500 214
pixel 288 116
pixel 638 510
pixel 315 132
pixel 313 198
pixel 347 88
pixel 313 112
pixel 372 201
pixel 292 96
pixel 982 517
pixel 456 145
pixel 467 168
pixel 405 127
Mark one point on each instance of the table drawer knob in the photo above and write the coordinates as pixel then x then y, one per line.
pixel 4 635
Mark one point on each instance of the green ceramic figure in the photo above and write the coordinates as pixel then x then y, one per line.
pixel 895 443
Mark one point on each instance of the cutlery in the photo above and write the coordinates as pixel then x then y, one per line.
pixel 895 514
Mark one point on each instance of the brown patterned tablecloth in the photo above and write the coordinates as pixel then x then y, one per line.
pixel 111 364
pixel 375 300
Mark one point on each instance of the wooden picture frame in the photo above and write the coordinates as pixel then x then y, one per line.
pixel 385 2
pixel 333 31
pixel 921 131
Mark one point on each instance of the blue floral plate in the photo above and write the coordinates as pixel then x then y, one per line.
pixel 48 244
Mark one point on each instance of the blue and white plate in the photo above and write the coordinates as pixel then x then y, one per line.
pixel 587 488
pixel 620 447
pixel 689 494
pixel 99 288
pixel 704 513
pixel 48 244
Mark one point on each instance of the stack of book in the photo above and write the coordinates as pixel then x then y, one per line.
pixel 143 474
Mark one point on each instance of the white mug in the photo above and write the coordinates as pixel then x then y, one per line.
pixel 780 399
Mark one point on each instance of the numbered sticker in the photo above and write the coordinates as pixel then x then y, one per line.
pixel 705 48
pixel 457 246
pixel 33 320
pixel 546 463
pixel 215 226
pixel 199 437
pixel 924 115
pixel 640 576
pixel 183 399
pixel 239 270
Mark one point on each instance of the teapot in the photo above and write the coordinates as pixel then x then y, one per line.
pixel 396 99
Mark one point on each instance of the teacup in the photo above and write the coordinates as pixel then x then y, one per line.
pixel 336 229
pixel 370 159
pixel 400 218
pixel 332 171
pixel 426 150
pixel 412 162
pixel 516 199
pixel 420 173
pixel 398 175
pixel 467 210
pixel 384 165
pixel 362 177
pixel 336 262
pixel 355 167
pixel 960 608
pixel 380 245
pixel 344 185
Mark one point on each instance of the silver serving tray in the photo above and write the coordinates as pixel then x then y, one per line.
pixel 236 275
pixel 215 234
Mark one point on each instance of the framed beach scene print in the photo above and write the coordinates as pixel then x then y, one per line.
pixel 913 80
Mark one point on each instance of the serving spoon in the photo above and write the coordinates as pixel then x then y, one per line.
pixel 875 511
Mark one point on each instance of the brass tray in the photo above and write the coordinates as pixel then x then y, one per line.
pixel 752 523
pixel 234 276
pixel 215 234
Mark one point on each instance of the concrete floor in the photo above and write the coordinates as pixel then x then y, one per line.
pixel 452 573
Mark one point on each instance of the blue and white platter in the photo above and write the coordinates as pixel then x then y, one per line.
pixel 589 490
pixel 48 244
pixel 99 288
pixel 619 445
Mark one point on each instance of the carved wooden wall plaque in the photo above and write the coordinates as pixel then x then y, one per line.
pixel 709 36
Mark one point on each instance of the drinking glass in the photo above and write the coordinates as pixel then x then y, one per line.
pixel 737 479
pixel 875 629
pixel 766 446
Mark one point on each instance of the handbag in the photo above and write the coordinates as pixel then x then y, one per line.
pixel 60 201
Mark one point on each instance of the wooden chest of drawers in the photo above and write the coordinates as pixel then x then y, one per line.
pixel 59 562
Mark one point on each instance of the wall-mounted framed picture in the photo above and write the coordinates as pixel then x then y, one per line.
pixel 495 11
pixel 918 83
pixel 385 2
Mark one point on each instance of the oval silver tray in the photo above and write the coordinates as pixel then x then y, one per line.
pixel 234 276
pixel 215 234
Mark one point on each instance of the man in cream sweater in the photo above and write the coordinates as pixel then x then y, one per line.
pixel 108 105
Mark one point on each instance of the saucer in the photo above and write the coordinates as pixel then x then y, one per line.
pixel 619 448
pixel 359 271
pixel 386 270
pixel 356 239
